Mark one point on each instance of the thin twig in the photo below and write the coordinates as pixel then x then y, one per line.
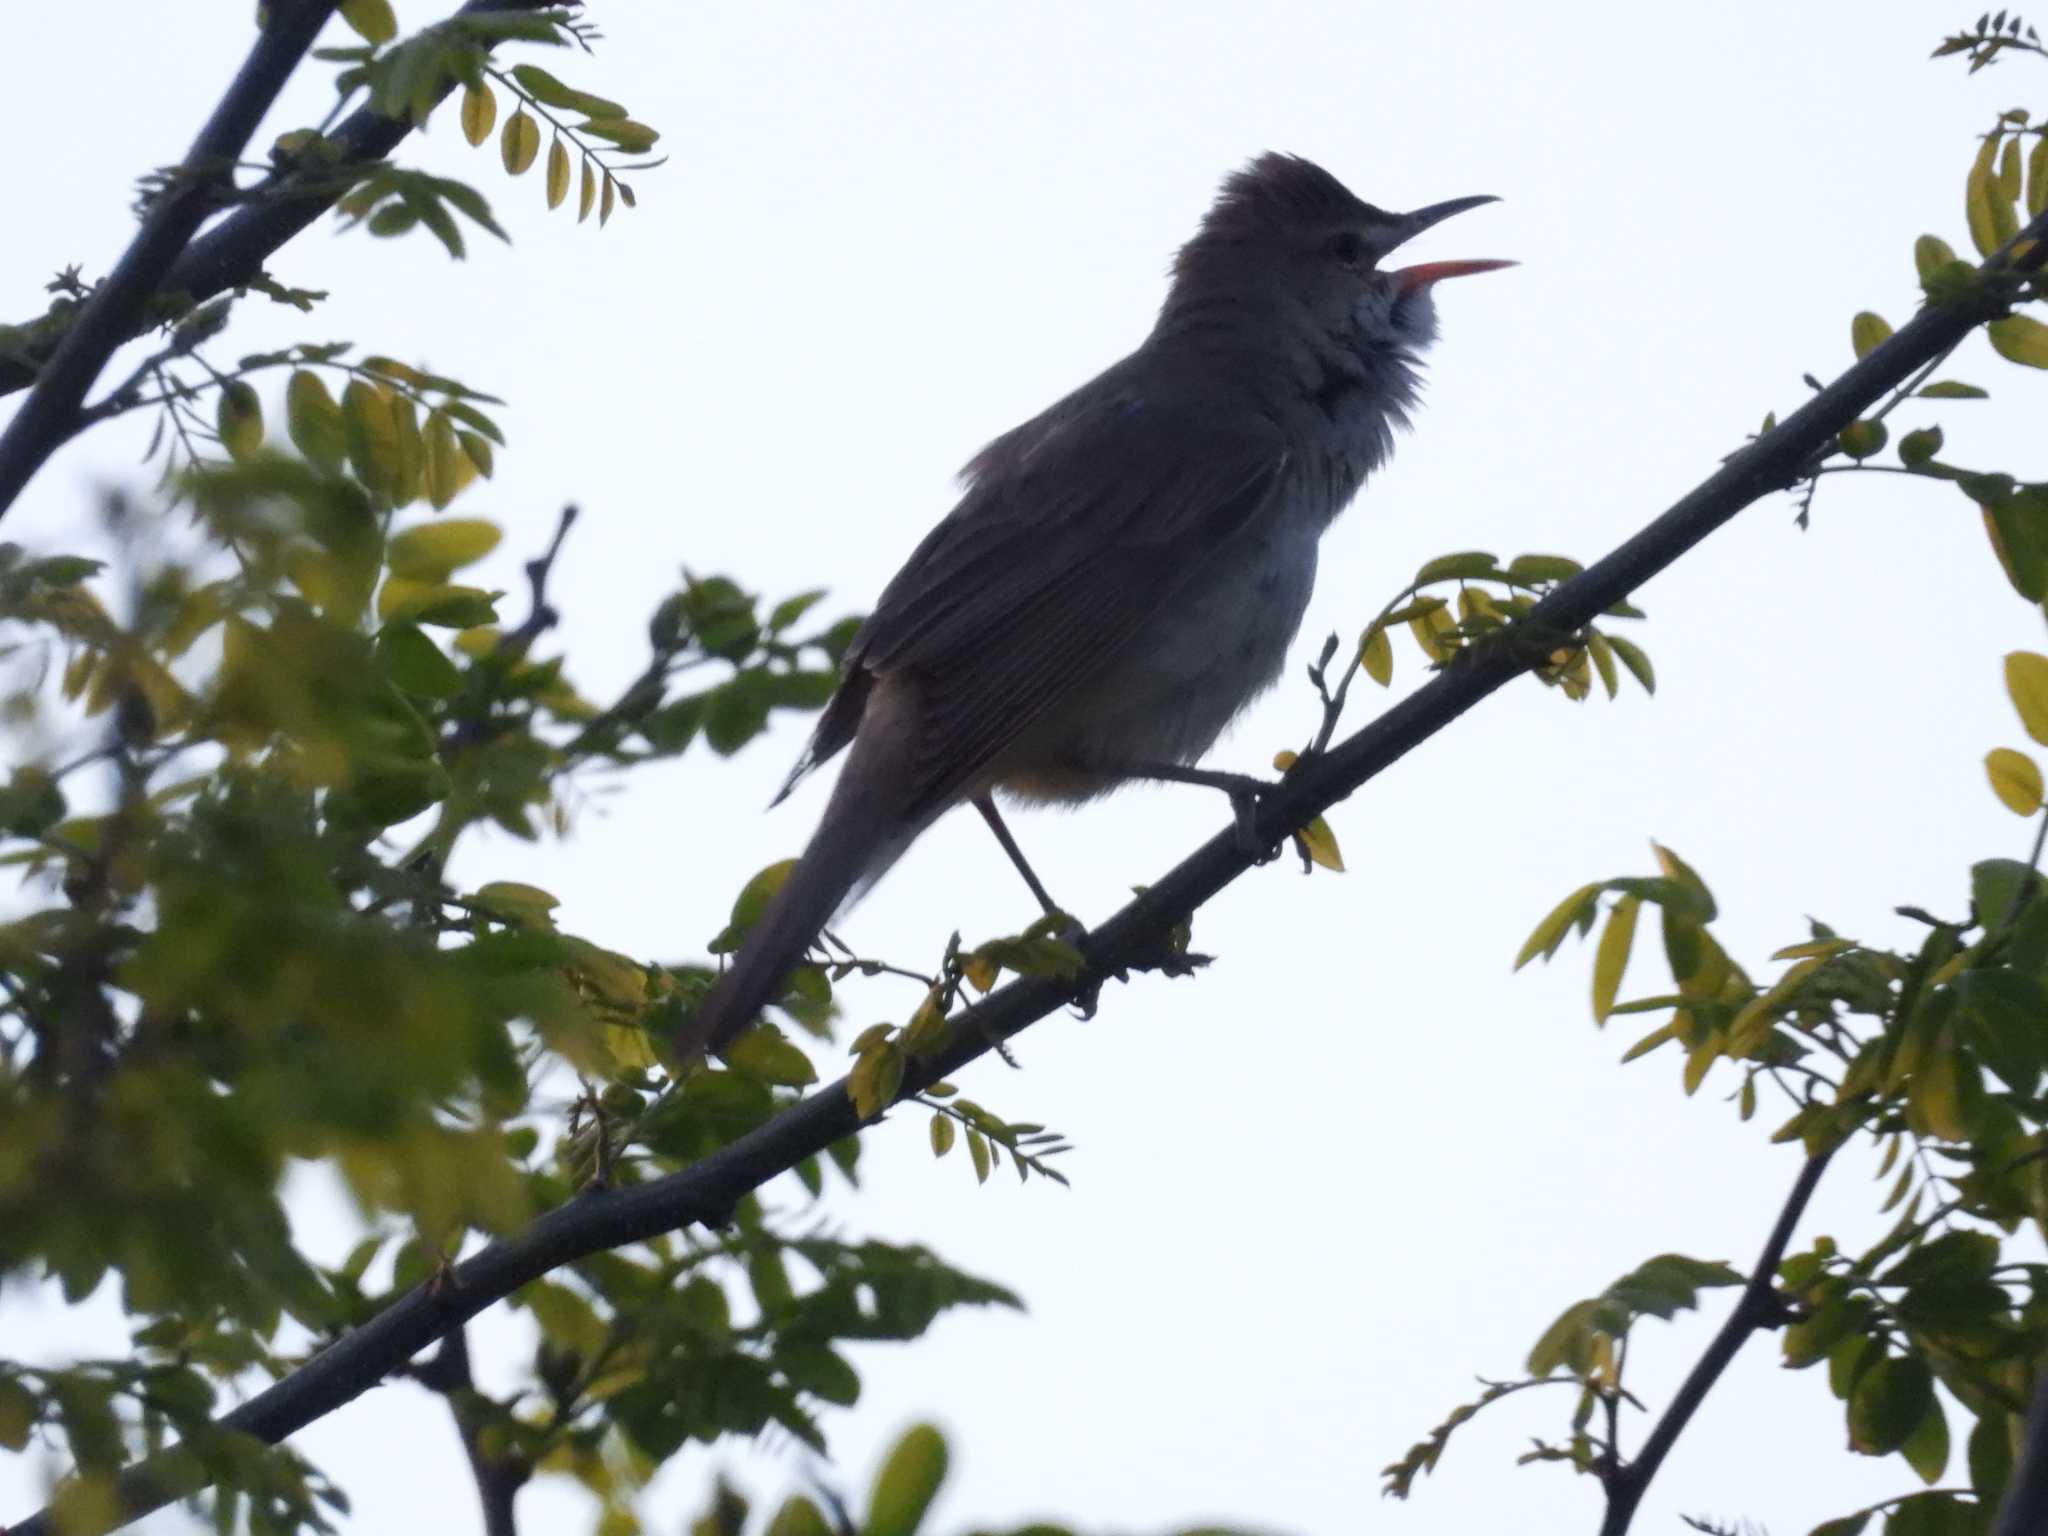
pixel 498 1479
pixel 116 310
pixel 233 252
pixel 1759 1306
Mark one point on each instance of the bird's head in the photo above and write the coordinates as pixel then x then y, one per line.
pixel 1285 231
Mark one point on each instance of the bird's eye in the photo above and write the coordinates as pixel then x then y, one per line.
pixel 1348 248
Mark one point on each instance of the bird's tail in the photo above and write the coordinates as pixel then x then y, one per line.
pixel 864 828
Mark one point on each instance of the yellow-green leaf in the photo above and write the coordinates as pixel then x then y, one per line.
pixel 1861 439
pixel 520 142
pixel 766 1053
pixel 875 1080
pixel 2015 779
pixel 477 449
pixel 1868 332
pixel 2026 680
pixel 604 204
pixel 239 419
pixel 1931 254
pixel 447 468
pixel 798 1517
pixel 1935 1098
pixel 587 193
pixel 373 447
pixel 1376 655
pixel 942 1134
pixel 2021 339
pixel 1319 845
pixel 907 1483
pixel 527 904
pixel 1637 663
pixel 372 20
pixel 558 173
pixel 314 420
pixel 1549 933
pixel 2009 185
pixel 412 449
pixel 1982 201
pixel 1610 960
pixel 2037 179
pixel 17 1413
pixel 1602 652
pixel 753 898
pixel 479 112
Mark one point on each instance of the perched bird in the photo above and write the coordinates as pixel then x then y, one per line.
pixel 1125 571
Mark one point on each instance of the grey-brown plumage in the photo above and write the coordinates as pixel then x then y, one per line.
pixel 1125 571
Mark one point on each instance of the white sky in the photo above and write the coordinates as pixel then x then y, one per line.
pixel 1358 1162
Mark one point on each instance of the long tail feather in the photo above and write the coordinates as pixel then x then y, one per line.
pixel 859 836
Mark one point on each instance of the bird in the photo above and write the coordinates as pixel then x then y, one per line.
pixel 1125 571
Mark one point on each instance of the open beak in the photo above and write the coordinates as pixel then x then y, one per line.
pixel 1413 279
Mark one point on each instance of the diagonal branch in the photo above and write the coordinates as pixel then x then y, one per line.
pixel 116 309
pixel 233 252
pixel 1757 1308
pixel 707 1191
pixel 498 1478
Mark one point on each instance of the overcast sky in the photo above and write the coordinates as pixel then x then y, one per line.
pixel 1357 1162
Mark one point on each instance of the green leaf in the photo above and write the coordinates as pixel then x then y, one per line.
pixel 1926 1449
pixel 1862 439
pixel 1533 568
pixel 1638 664
pixel 754 896
pixel 433 551
pixel 1847 1525
pixel 767 1053
pixel 479 112
pixel 1610 960
pixel 416 664
pixel 1469 565
pixel 547 90
pixel 2015 779
pixel 634 138
pixel 907 1483
pixel 1949 389
pixel 1888 1403
pixel 519 143
pixel 2020 339
pixel 404 600
pixel 372 20
pixel 558 173
pixel 374 449
pixel 1319 844
pixel 1919 447
pixel 1376 656
pixel 2026 680
pixel 799 1517
pixel 525 904
pixel 1930 255
pixel 942 1134
pixel 17 1414
pixel 1547 935
pixel 239 420
pixel 314 420
pixel 1868 332
pixel 1990 1452
pixel 1990 214
pixel 876 1079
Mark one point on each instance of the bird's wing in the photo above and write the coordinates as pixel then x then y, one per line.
pixel 1065 546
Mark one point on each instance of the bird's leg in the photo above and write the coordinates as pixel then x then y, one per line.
pixel 1243 788
pixel 985 803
